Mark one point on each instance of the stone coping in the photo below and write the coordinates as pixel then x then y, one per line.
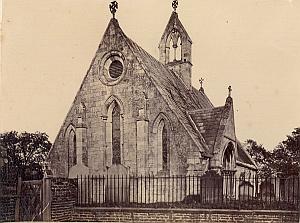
pixel 186 210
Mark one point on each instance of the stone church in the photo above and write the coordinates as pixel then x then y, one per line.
pixel 136 114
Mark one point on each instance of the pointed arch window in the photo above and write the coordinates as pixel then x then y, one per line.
pixel 165 148
pixel 228 157
pixel 163 144
pixel 179 50
pixel 116 135
pixel 174 46
pixel 114 126
pixel 172 54
pixel 162 129
pixel 72 153
pixel 228 169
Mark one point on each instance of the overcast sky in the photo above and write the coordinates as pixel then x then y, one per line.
pixel 254 46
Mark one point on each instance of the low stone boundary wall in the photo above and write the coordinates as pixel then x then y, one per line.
pixel 137 215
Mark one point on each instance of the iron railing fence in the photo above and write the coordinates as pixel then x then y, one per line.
pixel 189 192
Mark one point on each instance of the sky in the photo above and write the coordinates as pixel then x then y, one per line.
pixel 252 45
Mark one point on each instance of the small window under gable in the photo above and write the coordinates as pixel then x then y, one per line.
pixel 72 153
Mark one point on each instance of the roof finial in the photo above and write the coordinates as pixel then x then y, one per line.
pixel 175 5
pixel 201 84
pixel 113 6
pixel 229 91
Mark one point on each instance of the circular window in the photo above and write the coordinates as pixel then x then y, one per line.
pixel 115 69
pixel 112 67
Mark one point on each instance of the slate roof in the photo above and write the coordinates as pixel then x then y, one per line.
pixel 176 94
pixel 201 98
pixel 243 156
pixel 208 122
pixel 192 107
pixel 174 20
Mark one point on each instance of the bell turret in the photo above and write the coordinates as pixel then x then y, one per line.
pixel 175 47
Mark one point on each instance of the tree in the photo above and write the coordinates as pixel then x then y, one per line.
pixel 261 157
pixel 283 160
pixel 286 156
pixel 25 153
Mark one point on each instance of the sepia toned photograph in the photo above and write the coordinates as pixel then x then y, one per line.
pixel 150 111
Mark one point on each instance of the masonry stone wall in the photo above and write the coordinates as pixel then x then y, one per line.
pixel 182 215
pixel 135 92
pixel 63 199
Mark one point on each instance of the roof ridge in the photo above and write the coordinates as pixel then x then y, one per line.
pixel 240 145
pixel 166 69
pixel 204 109
pixel 203 94
pixel 173 105
pixel 191 93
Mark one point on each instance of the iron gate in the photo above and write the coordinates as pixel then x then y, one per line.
pixel 31 200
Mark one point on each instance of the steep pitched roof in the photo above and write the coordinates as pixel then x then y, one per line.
pixel 174 91
pixel 174 22
pixel 208 122
pixel 176 94
pixel 202 98
pixel 192 107
pixel 243 157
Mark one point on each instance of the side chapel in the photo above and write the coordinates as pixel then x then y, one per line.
pixel 140 115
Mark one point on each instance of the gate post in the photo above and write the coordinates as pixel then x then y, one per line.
pixel 46 205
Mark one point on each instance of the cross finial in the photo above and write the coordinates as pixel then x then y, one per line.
pixel 229 91
pixel 201 84
pixel 175 5
pixel 113 6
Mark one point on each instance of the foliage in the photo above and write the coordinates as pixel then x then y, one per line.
pixel 25 152
pixel 283 160
pixel 261 157
pixel 286 156
pixel 3 156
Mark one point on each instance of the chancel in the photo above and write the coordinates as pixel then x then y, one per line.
pixel 135 114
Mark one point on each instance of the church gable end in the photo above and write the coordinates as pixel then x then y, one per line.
pixel 121 102
pixel 135 113
pixel 225 145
